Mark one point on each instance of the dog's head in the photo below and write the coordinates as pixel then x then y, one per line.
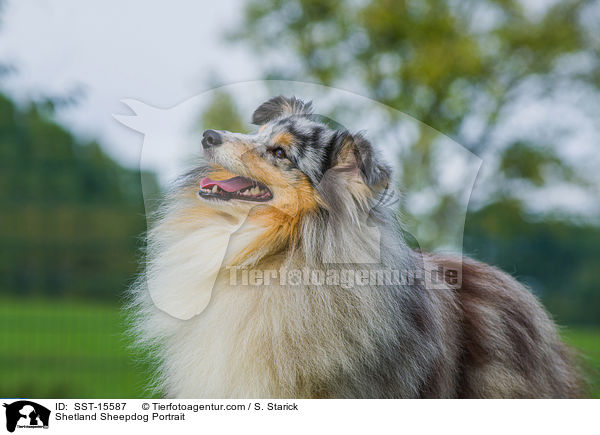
pixel 293 165
pixel 296 184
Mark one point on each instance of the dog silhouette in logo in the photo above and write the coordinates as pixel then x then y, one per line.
pixel 28 410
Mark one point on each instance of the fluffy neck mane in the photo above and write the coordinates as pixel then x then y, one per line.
pixel 213 338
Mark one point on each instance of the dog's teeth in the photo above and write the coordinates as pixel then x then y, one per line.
pixel 253 191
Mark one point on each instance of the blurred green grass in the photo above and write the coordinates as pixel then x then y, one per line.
pixel 61 350
pixel 586 341
pixel 79 349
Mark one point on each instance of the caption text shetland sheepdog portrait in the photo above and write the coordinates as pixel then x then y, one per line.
pixel 224 319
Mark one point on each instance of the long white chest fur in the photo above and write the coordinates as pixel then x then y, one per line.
pixel 249 340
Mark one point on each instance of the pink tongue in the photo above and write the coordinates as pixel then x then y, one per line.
pixel 232 185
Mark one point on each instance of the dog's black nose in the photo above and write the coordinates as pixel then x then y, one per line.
pixel 211 138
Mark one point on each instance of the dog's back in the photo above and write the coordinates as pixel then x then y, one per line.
pixel 509 347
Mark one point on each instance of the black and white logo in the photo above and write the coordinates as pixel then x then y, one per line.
pixel 26 414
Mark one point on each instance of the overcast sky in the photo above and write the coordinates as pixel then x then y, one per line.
pixel 157 52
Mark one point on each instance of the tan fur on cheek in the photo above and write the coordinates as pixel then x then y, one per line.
pixel 281 220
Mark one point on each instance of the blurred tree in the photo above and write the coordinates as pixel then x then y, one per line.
pixel 457 66
pixel 440 61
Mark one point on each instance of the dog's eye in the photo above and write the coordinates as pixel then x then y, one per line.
pixel 279 153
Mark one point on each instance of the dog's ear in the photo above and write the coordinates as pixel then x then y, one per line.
pixel 280 106
pixel 354 156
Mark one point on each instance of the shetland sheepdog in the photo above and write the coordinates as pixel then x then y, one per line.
pixel 218 310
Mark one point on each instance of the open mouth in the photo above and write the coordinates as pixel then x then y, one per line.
pixel 240 188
